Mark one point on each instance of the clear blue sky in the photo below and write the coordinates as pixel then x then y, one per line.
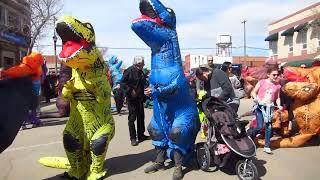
pixel 198 23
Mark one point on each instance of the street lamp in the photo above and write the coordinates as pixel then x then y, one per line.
pixel 55 46
pixel 244 41
pixel 55 52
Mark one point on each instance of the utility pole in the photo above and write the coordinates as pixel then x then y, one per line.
pixel 55 45
pixel 244 42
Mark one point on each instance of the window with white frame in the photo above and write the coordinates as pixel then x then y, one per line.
pixel 290 43
pixel 273 46
pixel 303 40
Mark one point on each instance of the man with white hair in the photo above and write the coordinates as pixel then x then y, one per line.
pixel 134 82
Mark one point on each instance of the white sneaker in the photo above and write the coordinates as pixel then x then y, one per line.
pixel 267 150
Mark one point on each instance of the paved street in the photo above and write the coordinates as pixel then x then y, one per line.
pixel 19 161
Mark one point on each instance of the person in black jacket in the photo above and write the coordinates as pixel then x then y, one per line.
pixel 134 82
pixel 217 84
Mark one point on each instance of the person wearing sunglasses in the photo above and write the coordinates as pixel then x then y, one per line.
pixel 265 95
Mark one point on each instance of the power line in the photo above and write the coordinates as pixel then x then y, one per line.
pixel 148 49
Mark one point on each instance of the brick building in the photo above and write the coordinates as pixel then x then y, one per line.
pixel 15 21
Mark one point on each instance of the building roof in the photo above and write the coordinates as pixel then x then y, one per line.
pixel 295 13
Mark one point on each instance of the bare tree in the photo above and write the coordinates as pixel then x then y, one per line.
pixel 42 14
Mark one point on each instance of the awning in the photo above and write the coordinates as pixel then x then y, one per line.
pixel 288 32
pixel 298 63
pixel 272 37
pixel 315 22
pixel 300 27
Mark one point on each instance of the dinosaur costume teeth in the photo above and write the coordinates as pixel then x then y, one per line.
pixel 90 127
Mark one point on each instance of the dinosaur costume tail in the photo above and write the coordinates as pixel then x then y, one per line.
pixel 291 142
pixel 55 162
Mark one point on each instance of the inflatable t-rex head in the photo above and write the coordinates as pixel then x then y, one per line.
pixel 78 43
pixel 31 65
pixel 156 23
pixel 302 91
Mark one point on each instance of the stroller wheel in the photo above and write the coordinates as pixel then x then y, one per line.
pixel 246 170
pixel 203 156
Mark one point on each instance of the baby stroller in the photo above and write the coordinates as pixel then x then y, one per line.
pixel 226 138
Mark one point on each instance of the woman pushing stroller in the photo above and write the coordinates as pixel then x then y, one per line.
pixel 265 95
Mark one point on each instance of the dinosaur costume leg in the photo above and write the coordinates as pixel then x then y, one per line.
pixel 86 138
pixel 98 148
pixel 73 140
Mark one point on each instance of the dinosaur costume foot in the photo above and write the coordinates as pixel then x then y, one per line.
pixel 96 176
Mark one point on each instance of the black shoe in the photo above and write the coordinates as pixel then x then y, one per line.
pixel 177 173
pixel 143 138
pixel 154 167
pixel 134 142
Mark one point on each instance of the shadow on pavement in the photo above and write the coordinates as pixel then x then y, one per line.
pixel 128 163
pixel 121 164
pixel 53 122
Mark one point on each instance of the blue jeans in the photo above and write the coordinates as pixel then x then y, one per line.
pixel 260 122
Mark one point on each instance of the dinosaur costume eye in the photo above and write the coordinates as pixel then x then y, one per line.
pixel 89 25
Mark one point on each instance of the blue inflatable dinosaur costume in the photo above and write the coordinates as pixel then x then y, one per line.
pixel 114 64
pixel 175 121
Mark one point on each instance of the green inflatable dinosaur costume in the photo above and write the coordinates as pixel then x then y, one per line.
pixel 91 126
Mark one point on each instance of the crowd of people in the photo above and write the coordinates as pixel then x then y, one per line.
pixel 217 81
pixel 133 88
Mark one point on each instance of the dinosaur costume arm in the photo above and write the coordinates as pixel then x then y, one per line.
pixel 68 89
pixel 167 90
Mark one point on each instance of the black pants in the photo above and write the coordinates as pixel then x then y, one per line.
pixel 118 98
pixel 136 112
